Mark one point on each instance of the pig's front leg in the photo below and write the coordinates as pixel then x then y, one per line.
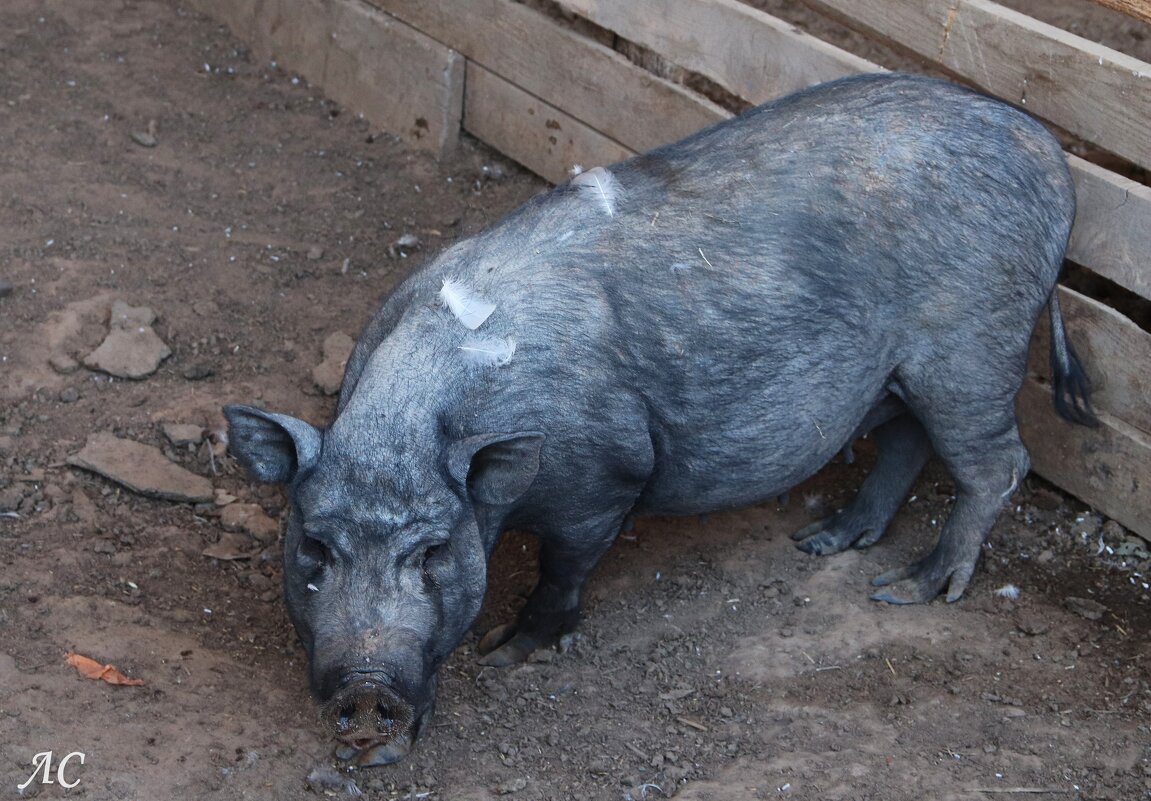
pixel 552 610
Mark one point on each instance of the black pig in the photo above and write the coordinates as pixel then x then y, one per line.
pixel 694 329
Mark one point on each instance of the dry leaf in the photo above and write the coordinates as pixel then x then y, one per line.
pixel 91 669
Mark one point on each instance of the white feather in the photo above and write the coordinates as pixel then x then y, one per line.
pixel 488 351
pixel 469 308
pixel 1008 591
pixel 602 185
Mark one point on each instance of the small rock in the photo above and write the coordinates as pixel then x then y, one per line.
pixel 327 781
pixel 69 395
pixel 493 172
pixel 1047 555
pixel 141 468
pixel 144 138
pixel 84 508
pixel 10 498
pixel 330 372
pixel 223 497
pixel 131 349
pixel 315 253
pixel 197 372
pixel 1113 533
pixel 512 786
pixel 232 546
pixel 63 363
pixel 6 288
pixel 1033 626
pixel 249 517
pixel 206 308
pixel 183 434
pixel 1085 607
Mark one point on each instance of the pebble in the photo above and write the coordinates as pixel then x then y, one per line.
pixel 315 253
pixel 63 363
pixel 249 518
pixel 1085 607
pixel 330 372
pixel 327 781
pixel 197 372
pixel 10 498
pixel 69 395
pixel 183 434
pixel 144 139
pixel 131 349
pixel 206 308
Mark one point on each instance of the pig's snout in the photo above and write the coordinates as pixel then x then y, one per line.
pixel 372 723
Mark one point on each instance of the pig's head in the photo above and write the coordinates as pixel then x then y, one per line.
pixel 385 559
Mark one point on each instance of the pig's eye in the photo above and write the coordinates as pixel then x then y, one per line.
pixel 314 553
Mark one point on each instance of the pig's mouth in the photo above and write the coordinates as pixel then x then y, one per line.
pixel 372 724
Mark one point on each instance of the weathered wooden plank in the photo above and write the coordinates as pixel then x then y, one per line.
pixel 395 75
pixel 400 79
pixel 294 33
pixel 1115 352
pixel 538 135
pixel 755 55
pixel 1093 91
pixel 1112 233
pixel 748 52
pixel 1140 9
pixel 238 15
pixel 1108 467
pixel 587 80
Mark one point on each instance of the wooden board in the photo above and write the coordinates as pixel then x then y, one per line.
pixel 238 15
pixel 755 55
pixel 534 133
pixel 400 79
pixel 1140 9
pixel 1107 467
pixel 1112 233
pixel 395 75
pixel 748 52
pixel 1115 352
pixel 1092 91
pixel 590 82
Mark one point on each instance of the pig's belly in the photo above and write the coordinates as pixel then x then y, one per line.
pixel 711 461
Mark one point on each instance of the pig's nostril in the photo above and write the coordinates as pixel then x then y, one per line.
pixel 386 721
pixel 347 718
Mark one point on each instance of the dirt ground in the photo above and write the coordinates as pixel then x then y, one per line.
pixel 147 158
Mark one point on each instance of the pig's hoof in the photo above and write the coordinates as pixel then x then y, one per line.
pixel 496 637
pixel 504 646
pixel 922 581
pixel 836 533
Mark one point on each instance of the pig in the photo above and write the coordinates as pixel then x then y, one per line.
pixel 694 329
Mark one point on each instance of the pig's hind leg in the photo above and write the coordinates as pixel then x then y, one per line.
pixel 903 450
pixel 977 438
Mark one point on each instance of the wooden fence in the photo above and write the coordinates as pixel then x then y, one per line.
pixel 548 90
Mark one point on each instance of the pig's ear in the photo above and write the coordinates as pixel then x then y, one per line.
pixel 274 448
pixel 496 468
